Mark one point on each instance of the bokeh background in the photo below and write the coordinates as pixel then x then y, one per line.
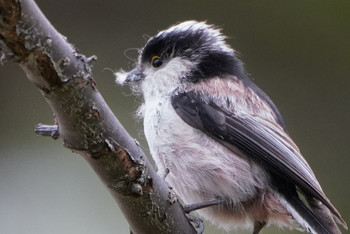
pixel 297 51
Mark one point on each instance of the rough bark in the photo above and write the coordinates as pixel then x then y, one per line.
pixel 85 123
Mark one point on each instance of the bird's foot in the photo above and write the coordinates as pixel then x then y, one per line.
pixel 198 223
pixel 163 173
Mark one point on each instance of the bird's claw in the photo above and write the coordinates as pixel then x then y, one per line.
pixel 163 173
pixel 198 223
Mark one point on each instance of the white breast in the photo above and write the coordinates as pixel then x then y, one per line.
pixel 200 168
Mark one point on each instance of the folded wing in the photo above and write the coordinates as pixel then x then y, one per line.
pixel 263 140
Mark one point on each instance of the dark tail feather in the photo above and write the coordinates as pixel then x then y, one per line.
pixel 326 216
pixel 318 218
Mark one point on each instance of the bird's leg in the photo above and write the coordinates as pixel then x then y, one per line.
pixel 258 225
pixel 201 205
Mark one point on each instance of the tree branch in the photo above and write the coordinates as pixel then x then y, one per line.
pixel 86 124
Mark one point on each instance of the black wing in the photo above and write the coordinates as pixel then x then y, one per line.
pixel 262 140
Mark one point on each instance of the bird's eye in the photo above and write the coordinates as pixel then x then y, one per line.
pixel 156 61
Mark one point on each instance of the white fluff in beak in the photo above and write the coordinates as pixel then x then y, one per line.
pixel 121 76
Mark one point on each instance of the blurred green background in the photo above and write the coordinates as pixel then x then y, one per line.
pixel 297 51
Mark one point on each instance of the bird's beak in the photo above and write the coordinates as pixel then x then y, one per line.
pixel 135 75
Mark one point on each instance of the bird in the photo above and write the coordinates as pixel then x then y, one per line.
pixel 219 140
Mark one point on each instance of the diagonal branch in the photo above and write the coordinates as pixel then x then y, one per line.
pixel 86 124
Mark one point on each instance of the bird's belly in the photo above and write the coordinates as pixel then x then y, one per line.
pixel 200 168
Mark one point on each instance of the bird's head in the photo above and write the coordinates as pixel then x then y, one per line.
pixel 181 55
